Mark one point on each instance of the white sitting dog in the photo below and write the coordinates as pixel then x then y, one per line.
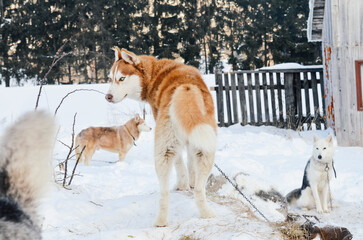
pixel 319 170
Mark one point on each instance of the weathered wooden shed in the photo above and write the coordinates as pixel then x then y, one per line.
pixel 338 24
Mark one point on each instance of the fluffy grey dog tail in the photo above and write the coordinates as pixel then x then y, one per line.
pixel 293 196
pixel 25 173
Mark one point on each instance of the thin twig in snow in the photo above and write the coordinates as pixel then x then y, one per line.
pixel 75 166
pixel 70 151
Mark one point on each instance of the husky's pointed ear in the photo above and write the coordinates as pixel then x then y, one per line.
pixel 130 57
pixel 315 138
pixel 137 117
pixel 330 138
pixel 117 53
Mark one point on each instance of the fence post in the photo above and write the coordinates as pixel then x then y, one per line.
pixel 290 100
pixel 219 97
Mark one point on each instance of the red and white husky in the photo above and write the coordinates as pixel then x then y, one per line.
pixel 184 114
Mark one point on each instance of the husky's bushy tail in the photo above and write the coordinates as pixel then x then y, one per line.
pixel 25 172
pixel 293 196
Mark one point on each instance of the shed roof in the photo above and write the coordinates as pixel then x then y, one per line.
pixel 315 20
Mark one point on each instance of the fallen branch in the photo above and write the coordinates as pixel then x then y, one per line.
pixel 97 204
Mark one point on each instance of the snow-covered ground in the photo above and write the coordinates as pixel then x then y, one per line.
pixel 119 200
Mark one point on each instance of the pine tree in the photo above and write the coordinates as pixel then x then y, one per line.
pixel 191 33
pixel 212 33
pixel 5 30
pixel 289 40
pixel 233 22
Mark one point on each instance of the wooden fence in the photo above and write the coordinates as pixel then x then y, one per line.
pixel 283 98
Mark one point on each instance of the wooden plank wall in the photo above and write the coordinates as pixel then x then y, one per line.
pixel 285 98
pixel 346 48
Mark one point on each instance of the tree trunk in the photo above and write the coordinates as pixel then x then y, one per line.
pixel 69 74
pixel 96 75
pixel 205 56
pixel 7 80
pixel 1 8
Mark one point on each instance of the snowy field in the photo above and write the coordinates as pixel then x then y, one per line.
pixel 119 200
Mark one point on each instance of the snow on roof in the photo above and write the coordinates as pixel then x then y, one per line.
pixel 290 66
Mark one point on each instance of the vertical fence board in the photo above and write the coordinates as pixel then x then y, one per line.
pixel 250 98
pixel 228 98
pixel 298 104
pixel 265 98
pixel 234 98
pixel 307 99
pixel 242 97
pixel 258 97
pixel 273 102
pixel 220 102
pixel 290 100
pixel 279 93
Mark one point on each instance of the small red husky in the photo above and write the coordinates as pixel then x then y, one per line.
pixel 184 114
pixel 114 139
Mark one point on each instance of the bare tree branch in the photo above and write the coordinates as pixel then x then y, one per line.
pixel 63 143
pixel 70 152
pixel 55 61
pixel 77 90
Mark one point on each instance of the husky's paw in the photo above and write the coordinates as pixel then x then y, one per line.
pixel 161 222
pixel 326 210
pixel 208 213
pixel 191 183
pixel 182 187
pixel 319 210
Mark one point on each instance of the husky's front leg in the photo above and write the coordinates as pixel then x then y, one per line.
pixel 325 199
pixel 314 189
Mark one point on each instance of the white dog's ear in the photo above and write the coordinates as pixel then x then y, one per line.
pixel 137 117
pixel 330 138
pixel 130 57
pixel 315 138
pixel 117 53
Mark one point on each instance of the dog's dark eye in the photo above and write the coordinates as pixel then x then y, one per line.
pixel 324 148
pixel 122 78
pixel 317 148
